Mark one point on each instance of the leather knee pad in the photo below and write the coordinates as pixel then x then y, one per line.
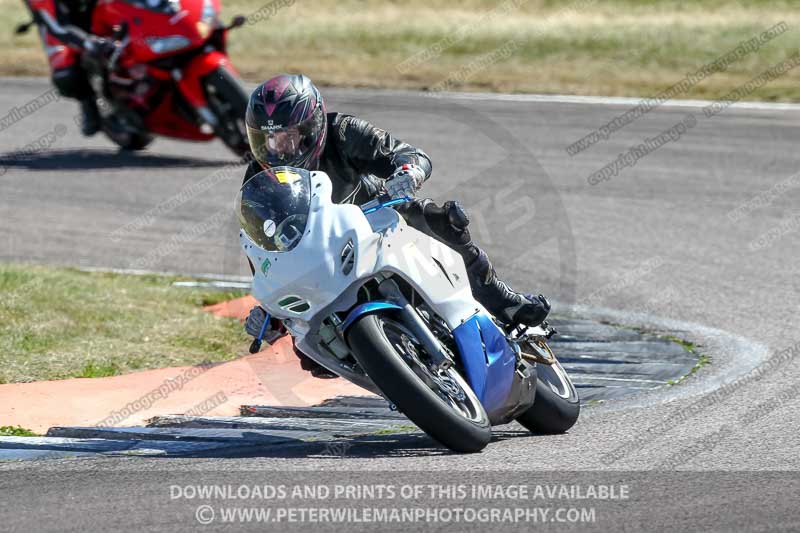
pixel 71 82
pixel 448 222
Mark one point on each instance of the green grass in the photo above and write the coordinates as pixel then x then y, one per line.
pixel 395 430
pixel 702 359
pixel 99 370
pixel 215 297
pixel 16 431
pixel 687 345
pixel 58 323
pixel 611 47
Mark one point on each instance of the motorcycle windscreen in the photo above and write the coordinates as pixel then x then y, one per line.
pixel 167 7
pixel 273 207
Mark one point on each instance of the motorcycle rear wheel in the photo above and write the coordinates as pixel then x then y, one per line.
pixel 557 405
pixel 390 355
pixel 126 138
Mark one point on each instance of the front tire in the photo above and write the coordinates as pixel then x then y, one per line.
pixel 228 100
pixel 389 354
pixel 557 405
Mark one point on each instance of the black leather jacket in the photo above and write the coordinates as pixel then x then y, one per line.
pixel 358 157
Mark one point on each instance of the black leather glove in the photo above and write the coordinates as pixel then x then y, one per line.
pixel 99 49
pixel 255 321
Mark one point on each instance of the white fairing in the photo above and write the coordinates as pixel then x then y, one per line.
pixel 313 273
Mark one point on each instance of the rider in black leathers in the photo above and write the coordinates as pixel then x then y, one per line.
pixel 287 125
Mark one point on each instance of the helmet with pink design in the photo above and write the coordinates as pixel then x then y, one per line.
pixel 286 122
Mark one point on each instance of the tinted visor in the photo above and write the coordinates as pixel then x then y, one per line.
pixel 273 207
pixel 287 145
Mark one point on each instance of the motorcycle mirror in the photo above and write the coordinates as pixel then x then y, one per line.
pixel 238 21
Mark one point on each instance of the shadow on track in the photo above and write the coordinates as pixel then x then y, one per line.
pixel 395 446
pixel 101 159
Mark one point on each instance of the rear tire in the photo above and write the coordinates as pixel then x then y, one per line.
pixel 228 100
pixel 552 412
pixel 394 376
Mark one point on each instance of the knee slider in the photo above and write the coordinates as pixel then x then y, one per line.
pixel 456 215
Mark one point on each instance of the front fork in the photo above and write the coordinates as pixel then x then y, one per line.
pixel 440 358
pixel 112 116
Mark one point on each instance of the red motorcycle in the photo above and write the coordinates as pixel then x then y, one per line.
pixel 168 74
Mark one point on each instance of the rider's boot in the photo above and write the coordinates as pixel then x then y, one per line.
pixel 90 117
pixel 309 365
pixel 448 223
pixel 506 304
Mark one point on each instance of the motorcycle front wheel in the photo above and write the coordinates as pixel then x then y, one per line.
pixel 228 100
pixel 440 403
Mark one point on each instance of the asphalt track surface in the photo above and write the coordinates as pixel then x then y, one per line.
pixel 655 245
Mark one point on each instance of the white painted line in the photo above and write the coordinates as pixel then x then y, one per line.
pixel 610 100
pixel 508 97
pixel 221 285
pixel 627 380
pixel 135 272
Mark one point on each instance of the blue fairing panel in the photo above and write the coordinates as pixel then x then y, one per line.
pixel 365 309
pixel 490 370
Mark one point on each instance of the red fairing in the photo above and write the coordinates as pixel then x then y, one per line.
pixel 202 65
pixel 144 24
pixel 164 121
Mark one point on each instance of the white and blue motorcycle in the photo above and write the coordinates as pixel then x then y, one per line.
pixel 390 309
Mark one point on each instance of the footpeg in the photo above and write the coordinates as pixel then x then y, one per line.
pixel 534 348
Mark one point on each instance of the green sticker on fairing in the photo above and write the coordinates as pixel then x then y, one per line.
pixel 265 266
